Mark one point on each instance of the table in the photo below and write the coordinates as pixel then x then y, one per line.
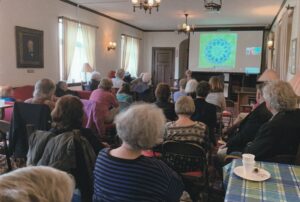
pixel 284 184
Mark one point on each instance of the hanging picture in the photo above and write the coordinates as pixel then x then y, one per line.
pixel 29 45
pixel 293 53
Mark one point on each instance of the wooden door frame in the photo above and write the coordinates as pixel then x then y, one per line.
pixel 173 49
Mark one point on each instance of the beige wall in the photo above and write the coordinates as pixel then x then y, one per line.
pixel 160 39
pixel 43 15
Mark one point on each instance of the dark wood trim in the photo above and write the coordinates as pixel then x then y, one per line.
pixel 101 14
pixel 200 29
pixel 276 16
pixel 131 36
pixel 162 30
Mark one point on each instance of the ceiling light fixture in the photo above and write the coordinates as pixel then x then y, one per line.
pixel 147 5
pixel 185 27
pixel 213 5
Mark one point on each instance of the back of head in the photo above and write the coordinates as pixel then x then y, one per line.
pixel 141 126
pixel 182 83
pixel 146 77
pixel 280 96
pixel 44 88
pixel 120 73
pixel 216 84
pixel 125 88
pixel 203 89
pixel 6 91
pixel 105 84
pixel 191 86
pixel 68 112
pixel 185 106
pixel 96 76
pixel 162 92
pixel 62 85
pixel 38 183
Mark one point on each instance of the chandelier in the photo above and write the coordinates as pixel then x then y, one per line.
pixel 147 5
pixel 185 27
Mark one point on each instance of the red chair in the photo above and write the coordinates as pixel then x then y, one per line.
pixel 23 93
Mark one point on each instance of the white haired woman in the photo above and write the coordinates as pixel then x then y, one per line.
pixel 191 87
pixel 38 183
pixel 184 129
pixel 118 81
pixel 123 174
pixel 280 135
pixel 43 93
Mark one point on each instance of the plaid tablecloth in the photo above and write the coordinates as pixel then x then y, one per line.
pixel 284 184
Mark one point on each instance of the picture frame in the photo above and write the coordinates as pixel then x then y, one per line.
pixel 293 53
pixel 30 47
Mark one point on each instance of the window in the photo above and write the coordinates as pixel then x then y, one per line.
pixel 130 54
pixel 77 46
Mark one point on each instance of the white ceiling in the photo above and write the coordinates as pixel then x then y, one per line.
pixel 171 13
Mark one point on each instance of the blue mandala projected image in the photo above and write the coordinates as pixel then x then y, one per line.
pixel 218 51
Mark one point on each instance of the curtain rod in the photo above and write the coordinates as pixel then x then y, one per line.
pixel 131 36
pixel 70 19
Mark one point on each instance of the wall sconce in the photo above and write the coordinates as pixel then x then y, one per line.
pixel 111 46
pixel 270 44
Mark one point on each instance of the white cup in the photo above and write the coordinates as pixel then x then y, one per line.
pixel 248 163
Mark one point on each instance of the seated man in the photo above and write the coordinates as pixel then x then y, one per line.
pixel 205 112
pixel 280 135
pixel 248 127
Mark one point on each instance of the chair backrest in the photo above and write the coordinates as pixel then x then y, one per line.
pixel 23 114
pixel 184 157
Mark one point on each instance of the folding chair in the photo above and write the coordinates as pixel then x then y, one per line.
pixel 189 161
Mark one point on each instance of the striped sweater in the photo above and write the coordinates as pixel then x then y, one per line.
pixel 141 179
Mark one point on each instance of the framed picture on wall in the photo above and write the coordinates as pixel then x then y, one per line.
pixel 293 53
pixel 30 48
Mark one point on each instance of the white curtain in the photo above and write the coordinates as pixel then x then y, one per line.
pixel 285 38
pixel 276 58
pixel 70 30
pixel 130 55
pixel 89 41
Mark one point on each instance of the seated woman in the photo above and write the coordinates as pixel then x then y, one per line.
pixel 67 146
pixel 190 88
pixel 118 80
pixel 22 185
pixel 124 174
pixel 279 135
pixel 141 86
pixel 43 93
pixel 184 129
pixel 94 82
pixel 6 94
pixel 62 89
pixel 162 94
pixel 216 95
pixel 107 99
pixel 124 95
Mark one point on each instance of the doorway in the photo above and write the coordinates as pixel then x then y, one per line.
pixel 163 65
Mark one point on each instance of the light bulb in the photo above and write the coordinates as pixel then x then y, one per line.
pixel 150 2
pixel 183 26
pixel 134 1
pixel 188 28
pixel 157 1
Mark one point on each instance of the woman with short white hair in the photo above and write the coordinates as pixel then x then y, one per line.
pixel 118 81
pixel 124 174
pixel 38 183
pixel 43 93
pixel 191 87
pixel 280 135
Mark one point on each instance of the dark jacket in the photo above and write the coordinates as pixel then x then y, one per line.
pixel 248 128
pixel 206 113
pixel 168 109
pixel 279 136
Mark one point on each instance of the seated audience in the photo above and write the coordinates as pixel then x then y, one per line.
pixel 94 82
pixel 124 174
pixel 43 93
pixel 118 80
pixel 40 184
pixel 128 78
pixel 62 89
pixel 205 112
pixel 246 130
pixel 141 86
pixel 280 135
pixel 216 95
pixel 190 88
pixel 67 146
pixel 162 94
pixel 184 129
pixel 123 94
pixel 181 92
pixel 6 94
pixel 107 99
